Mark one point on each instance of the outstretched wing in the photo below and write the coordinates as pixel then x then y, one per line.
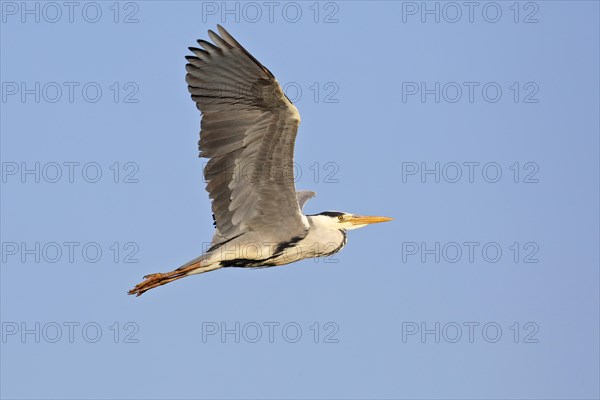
pixel 303 196
pixel 248 131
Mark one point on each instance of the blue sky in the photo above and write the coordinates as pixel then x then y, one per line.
pixel 474 127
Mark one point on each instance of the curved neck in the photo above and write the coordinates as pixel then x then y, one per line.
pixel 325 234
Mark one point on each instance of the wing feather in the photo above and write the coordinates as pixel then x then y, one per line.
pixel 248 131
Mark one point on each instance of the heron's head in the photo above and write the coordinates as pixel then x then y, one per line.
pixel 346 221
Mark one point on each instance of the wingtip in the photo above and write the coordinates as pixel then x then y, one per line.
pixel 230 40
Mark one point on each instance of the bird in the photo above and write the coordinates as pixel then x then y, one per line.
pixel 248 130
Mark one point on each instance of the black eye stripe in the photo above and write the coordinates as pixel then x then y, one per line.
pixel 332 214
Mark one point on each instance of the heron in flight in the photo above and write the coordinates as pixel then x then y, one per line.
pixel 248 131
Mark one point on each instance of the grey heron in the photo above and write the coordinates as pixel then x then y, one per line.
pixel 248 131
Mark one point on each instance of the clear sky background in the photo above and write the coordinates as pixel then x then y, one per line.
pixel 483 286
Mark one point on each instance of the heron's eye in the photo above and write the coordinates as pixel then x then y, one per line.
pixel 341 218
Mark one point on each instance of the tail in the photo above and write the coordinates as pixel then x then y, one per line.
pixel 196 266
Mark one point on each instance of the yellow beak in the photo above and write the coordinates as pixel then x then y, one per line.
pixel 365 220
